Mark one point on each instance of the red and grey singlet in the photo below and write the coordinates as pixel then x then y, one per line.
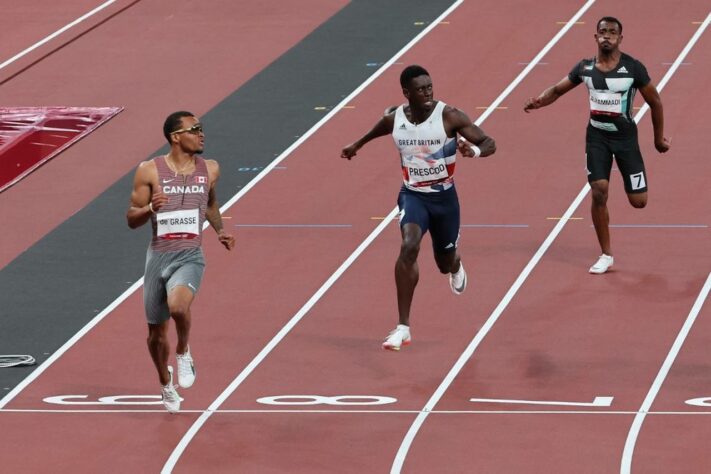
pixel 427 155
pixel 178 224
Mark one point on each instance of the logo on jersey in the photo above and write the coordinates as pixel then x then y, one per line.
pixel 623 70
pixel 402 127
pixel 190 189
pixel 201 179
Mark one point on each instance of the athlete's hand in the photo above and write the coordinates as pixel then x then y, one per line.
pixel 349 151
pixel 532 104
pixel 465 148
pixel 662 146
pixel 158 199
pixel 227 240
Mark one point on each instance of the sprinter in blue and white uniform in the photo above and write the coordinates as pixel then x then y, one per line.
pixel 425 133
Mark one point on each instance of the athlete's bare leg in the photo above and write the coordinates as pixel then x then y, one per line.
pixel 158 347
pixel 179 300
pixel 448 262
pixel 638 200
pixel 600 214
pixel 407 272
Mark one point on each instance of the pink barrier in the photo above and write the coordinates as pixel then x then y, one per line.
pixel 31 136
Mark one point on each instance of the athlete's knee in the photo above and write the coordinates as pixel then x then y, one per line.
pixel 638 201
pixel 179 311
pixel 599 195
pixel 445 263
pixel 409 250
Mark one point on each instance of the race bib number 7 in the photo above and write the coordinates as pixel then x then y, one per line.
pixel 182 224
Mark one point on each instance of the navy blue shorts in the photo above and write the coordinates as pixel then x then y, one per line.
pixel 601 147
pixel 437 213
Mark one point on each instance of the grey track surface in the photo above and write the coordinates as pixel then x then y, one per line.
pixel 54 288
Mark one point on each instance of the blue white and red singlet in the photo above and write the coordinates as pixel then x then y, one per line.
pixel 428 197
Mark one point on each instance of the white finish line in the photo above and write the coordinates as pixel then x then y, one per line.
pixel 597 402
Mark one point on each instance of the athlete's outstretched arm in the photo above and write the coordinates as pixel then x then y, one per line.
pixel 651 96
pixel 460 123
pixel 549 95
pixel 383 127
pixel 212 213
pixel 144 202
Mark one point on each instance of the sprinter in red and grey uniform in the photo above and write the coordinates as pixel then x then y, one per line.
pixel 176 192
pixel 425 133
pixel 612 78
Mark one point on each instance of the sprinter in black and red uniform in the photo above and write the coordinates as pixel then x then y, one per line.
pixel 612 79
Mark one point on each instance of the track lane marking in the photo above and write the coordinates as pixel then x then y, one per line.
pixel 597 402
pixel 628 452
pixel 195 427
pixel 56 33
pixel 469 351
pixel 414 428
pixel 163 413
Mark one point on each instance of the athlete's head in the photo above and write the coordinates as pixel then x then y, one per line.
pixel 417 86
pixel 183 129
pixel 608 34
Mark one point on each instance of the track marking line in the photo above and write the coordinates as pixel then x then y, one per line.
pixel 628 452
pixel 469 351
pixel 660 226
pixel 597 402
pixel 420 419
pixel 162 412
pixel 195 427
pixel 56 33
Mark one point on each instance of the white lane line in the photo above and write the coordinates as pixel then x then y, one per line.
pixel 56 33
pixel 597 402
pixel 412 432
pixel 469 351
pixel 182 445
pixel 274 164
pixel 627 453
pixel 626 464
pixel 67 345
pixel 162 412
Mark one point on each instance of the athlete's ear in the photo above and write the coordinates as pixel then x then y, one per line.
pixel 406 93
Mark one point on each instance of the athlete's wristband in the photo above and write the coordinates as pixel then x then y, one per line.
pixel 150 207
pixel 476 150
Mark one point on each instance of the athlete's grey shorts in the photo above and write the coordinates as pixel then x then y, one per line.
pixel 165 271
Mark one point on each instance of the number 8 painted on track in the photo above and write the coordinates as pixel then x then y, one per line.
pixel 360 400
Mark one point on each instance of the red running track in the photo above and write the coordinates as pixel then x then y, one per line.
pixel 144 85
pixel 565 336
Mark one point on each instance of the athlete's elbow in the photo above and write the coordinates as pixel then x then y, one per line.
pixel 489 147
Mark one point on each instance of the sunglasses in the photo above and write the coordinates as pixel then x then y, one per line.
pixel 195 129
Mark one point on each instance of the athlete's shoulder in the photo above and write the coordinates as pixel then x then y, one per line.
pixel 212 166
pixel 584 67
pixel 636 68
pixel 148 166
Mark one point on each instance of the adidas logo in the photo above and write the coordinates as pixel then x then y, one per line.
pixel 449 246
pixel 622 70
pixel 402 127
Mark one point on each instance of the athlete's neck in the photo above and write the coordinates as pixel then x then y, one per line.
pixel 180 163
pixel 608 59
pixel 418 115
